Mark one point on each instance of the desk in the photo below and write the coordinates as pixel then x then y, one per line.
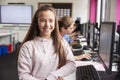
pixel 7 39
pixel 97 65
pixel 71 77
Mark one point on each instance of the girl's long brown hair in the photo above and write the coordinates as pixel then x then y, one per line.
pixel 34 31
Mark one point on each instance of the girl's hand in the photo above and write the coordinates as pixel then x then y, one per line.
pixel 60 78
pixel 87 56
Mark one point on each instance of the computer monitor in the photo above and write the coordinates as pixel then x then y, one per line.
pixel 92 36
pixel 106 42
pixel 82 29
pixel 85 29
pixel 118 31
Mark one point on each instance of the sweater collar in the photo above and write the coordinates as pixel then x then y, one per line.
pixel 43 39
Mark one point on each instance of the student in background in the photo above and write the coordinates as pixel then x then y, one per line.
pixel 44 54
pixel 78 26
pixel 66 27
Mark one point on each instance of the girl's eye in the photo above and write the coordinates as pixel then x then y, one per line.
pixel 44 20
pixel 41 20
pixel 51 21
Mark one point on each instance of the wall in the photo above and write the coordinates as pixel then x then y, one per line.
pixel 92 15
pixel 112 15
pixel 117 12
pixel 98 14
pixel 80 9
pixel 108 10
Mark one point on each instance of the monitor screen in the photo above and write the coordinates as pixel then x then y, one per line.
pixel 84 27
pixel 106 42
pixel 118 39
pixel 86 30
pixel 16 14
pixel 92 36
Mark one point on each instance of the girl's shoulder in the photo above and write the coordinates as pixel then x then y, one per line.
pixel 31 42
pixel 28 44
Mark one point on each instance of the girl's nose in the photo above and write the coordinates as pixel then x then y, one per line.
pixel 47 23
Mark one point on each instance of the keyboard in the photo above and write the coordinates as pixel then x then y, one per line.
pixel 87 72
pixel 76 46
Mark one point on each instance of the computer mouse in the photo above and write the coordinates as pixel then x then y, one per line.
pixel 86 47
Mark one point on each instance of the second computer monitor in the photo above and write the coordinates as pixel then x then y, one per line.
pixel 84 27
pixel 106 42
pixel 92 36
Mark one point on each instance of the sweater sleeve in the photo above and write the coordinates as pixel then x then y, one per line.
pixel 69 67
pixel 25 63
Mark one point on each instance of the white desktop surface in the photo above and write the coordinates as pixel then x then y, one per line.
pixel 82 39
pixel 70 77
pixel 97 65
pixel 5 34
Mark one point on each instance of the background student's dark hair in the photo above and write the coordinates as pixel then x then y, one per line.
pixel 34 31
pixel 78 26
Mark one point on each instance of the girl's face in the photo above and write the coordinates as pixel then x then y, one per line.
pixel 46 23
